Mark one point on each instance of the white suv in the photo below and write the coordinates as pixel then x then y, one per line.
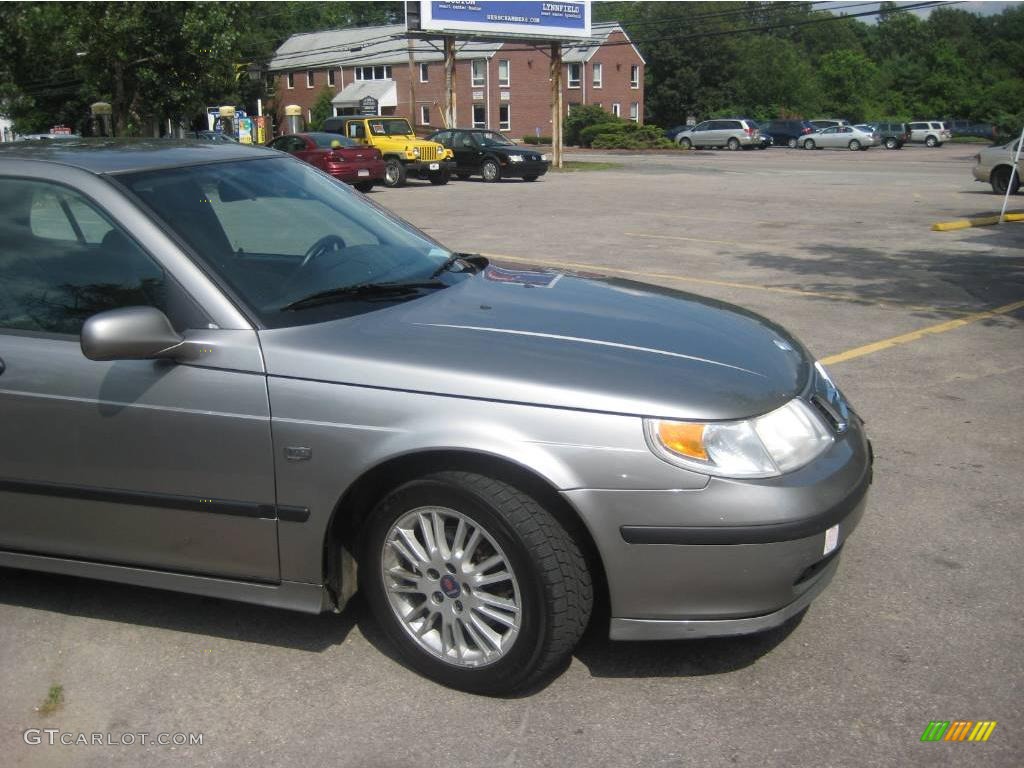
pixel 931 133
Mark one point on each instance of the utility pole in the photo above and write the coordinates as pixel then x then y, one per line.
pixel 556 105
pixel 412 84
pixel 450 106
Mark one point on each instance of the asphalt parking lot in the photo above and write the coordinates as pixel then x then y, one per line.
pixel 922 329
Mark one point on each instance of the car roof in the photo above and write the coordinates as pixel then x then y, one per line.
pixel 123 155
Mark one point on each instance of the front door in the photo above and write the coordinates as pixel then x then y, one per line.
pixel 135 462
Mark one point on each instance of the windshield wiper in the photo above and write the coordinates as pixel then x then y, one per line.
pixel 362 291
pixel 475 259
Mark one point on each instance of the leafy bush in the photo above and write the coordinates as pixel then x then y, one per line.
pixel 536 139
pixel 632 136
pixel 609 126
pixel 582 116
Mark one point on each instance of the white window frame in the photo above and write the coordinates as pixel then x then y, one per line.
pixel 331 77
pixel 634 76
pixel 290 80
pixel 476 123
pixel 478 82
pixel 424 72
pixel 634 111
pixel 360 73
pixel 505 125
pixel 424 114
pixel 616 109
pixel 310 78
pixel 579 75
pixel 507 80
pixel 598 76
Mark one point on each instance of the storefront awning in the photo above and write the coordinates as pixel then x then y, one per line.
pixel 352 95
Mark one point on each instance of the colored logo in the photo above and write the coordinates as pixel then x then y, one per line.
pixel 958 730
pixel 450 587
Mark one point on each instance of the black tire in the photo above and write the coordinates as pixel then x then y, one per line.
pixel 555 590
pixel 1000 180
pixel 394 173
pixel 531 177
pixel 891 143
pixel 490 170
pixel 854 145
pixel 439 178
pixel 809 144
pixel 733 144
pixel 363 186
pixel 792 143
pixel 931 141
pixel 685 143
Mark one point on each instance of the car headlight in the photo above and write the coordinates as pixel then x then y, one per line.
pixel 545 158
pixel 515 158
pixel 781 441
pixel 415 151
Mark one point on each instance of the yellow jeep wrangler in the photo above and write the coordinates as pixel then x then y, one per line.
pixel 404 154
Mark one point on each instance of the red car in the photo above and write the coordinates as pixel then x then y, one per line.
pixel 344 159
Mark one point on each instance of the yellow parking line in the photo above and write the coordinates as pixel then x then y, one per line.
pixel 690 239
pixel 906 338
pixel 723 283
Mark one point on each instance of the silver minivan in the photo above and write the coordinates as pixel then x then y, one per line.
pixel 729 133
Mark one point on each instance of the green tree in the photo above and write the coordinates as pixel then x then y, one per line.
pixel 322 109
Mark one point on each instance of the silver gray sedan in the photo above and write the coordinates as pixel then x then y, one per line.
pixel 842 137
pixel 223 372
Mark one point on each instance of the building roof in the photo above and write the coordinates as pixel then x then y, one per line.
pixel 387 44
pixel 366 45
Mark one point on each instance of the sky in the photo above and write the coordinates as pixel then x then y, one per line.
pixel 983 8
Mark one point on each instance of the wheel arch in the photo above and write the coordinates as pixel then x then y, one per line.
pixel 353 508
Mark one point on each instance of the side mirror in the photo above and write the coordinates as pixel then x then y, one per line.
pixel 130 333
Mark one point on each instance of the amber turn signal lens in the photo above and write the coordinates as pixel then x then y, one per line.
pixel 682 438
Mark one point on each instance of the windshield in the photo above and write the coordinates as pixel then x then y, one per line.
pixel 492 139
pixel 398 127
pixel 276 230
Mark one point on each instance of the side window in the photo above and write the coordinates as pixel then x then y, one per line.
pixel 63 260
pixel 355 131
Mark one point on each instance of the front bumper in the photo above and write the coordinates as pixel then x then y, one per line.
pixel 731 558
pixel 422 167
pixel 981 173
pixel 525 168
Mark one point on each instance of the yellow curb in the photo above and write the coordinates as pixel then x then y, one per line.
pixel 983 221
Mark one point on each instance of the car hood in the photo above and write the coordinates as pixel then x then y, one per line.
pixel 557 340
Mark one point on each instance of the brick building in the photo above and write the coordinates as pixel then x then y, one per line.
pixel 502 86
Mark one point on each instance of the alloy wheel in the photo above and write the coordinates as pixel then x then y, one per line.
pixel 451 586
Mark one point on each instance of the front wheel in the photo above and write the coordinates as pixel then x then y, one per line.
pixel 490 170
pixel 474 581
pixel 809 144
pixel 890 143
pixel 733 144
pixel 394 173
pixel 363 186
pixel 439 178
pixel 685 143
pixel 1000 181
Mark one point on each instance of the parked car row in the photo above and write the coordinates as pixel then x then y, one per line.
pixel 366 151
pixel 744 133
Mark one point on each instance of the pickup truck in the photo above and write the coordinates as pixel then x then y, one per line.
pixel 404 154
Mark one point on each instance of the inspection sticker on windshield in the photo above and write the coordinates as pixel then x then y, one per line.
pixel 831 539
